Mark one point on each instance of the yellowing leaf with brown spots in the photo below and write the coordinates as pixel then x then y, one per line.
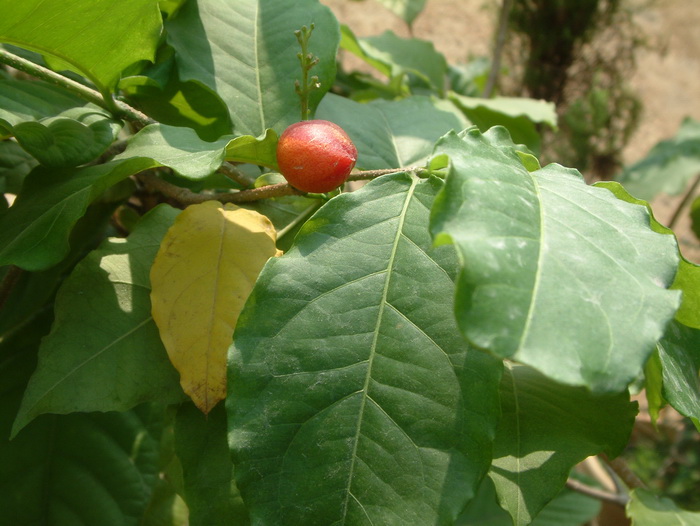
pixel 205 269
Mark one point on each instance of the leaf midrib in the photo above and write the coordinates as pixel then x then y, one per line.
pixel 373 348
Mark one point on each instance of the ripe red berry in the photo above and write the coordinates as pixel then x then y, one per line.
pixel 315 156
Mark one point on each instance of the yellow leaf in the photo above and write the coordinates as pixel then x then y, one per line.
pixel 205 269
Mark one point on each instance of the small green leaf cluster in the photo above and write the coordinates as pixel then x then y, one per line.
pixel 461 330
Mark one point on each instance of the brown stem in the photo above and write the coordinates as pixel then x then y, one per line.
pixel 186 196
pixel 364 175
pixel 686 199
pixel 233 173
pixel 622 470
pixel 596 493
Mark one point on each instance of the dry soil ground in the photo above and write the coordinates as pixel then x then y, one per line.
pixel 667 80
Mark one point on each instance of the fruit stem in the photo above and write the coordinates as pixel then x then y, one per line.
pixel 297 220
pixel 185 196
pixel 307 61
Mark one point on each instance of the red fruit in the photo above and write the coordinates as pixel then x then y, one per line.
pixel 315 156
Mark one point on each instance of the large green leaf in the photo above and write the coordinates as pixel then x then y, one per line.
pixel 646 509
pixel 161 94
pixel 352 399
pixel 545 430
pixel 83 36
pixel 210 492
pixel 518 115
pixel 34 232
pixel 104 352
pixel 183 151
pixel 668 167
pixel 687 278
pixel 391 134
pixel 555 274
pixel 679 356
pixel 397 57
pixel 76 469
pixel 246 51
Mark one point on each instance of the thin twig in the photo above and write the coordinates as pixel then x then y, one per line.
pixel 622 470
pixel 123 110
pixel 596 493
pixel 233 173
pixel 185 196
pixel 300 218
pixel 363 175
pixel 686 199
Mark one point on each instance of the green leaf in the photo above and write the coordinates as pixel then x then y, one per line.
pixel 178 148
pixel 35 291
pixel 352 398
pixel 210 491
pixel 287 213
pixel 57 128
pixel 687 278
pixel 695 217
pixel 469 78
pixel 166 507
pixel 161 95
pixel 568 508
pixel 255 150
pixel 679 355
pixel 34 232
pixel 15 164
pixel 518 115
pixel 82 36
pixel 396 57
pixel 103 339
pixel 535 110
pixel 31 100
pixel 546 429
pixel 77 469
pixel 183 151
pixel 74 137
pixel 349 42
pixel 668 167
pixel 391 134
pixel 246 51
pixel 555 274
pixel 646 509
pixel 408 10
pixel 653 386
